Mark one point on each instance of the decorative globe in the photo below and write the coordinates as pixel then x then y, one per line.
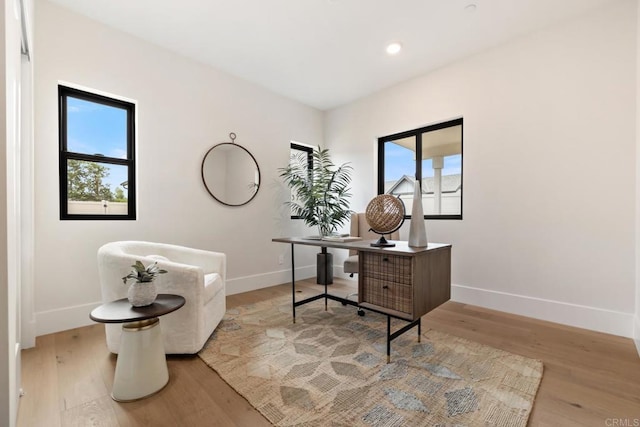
pixel 385 214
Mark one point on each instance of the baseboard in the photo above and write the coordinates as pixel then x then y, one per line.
pixel 636 333
pixel 596 319
pixel 62 319
pixel 239 285
pixel 28 334
pixel 580 316
pixel 17 392
pixel 48 322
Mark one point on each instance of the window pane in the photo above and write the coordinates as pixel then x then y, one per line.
pixel 96 129
pixel 442 171
pixel 399 166
pixel 302 157
pixel 96 188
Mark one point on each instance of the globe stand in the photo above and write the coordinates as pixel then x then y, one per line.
pixel 382 242
pixel 385 215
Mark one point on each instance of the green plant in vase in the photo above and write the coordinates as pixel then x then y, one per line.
pixel 320 197
pixel 143 291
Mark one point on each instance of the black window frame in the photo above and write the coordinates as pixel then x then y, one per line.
pixel 417 134
pixel 64 155
pixel 309 151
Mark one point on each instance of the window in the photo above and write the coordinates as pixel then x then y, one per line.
pixel 97 156
pixel 438 168
pixel 300 153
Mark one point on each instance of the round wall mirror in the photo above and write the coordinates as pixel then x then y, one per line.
pixel 230 173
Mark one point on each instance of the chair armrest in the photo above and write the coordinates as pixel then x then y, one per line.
pixel 209 262
pixel 181 279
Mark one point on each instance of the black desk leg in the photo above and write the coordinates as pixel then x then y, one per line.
pixel 396 334
pixel 326 275
pixel 293 284
pixel 388 339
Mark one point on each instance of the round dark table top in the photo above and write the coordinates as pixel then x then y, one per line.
pixel 121 311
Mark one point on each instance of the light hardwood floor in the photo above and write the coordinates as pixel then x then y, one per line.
pixel 590 379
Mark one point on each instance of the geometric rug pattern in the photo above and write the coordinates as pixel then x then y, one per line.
pixel 329 369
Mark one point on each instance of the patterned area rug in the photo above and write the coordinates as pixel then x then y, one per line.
pixel 329 369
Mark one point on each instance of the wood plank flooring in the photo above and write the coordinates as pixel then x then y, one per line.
pixel 590 379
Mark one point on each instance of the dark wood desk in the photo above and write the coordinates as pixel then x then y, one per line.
pixel 141 368
pixel 401 282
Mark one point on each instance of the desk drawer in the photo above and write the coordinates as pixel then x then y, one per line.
pixel 385 294
pixel 389 268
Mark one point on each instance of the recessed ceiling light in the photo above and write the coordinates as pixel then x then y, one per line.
pixel 394 48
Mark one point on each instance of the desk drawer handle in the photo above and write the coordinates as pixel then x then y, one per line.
pixel 385 259
pixel 385 287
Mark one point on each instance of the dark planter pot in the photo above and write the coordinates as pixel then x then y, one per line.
pixel 324 264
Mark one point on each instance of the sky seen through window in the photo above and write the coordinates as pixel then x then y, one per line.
pixel 98 129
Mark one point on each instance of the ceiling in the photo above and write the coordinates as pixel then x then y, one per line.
pixel 326 53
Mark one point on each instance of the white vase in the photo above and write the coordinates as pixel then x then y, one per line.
pixel 417 230
pixel 142 294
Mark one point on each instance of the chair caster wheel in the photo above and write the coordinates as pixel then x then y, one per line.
pixel 360 312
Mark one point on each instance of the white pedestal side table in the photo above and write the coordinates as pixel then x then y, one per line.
pixel 141 368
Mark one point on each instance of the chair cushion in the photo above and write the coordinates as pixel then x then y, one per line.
pixel 212 285
pixel 351 264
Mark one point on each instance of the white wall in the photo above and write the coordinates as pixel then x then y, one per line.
pixel 550 118
pixel 183 109
pixel 6 344
pixel 636 332
pixel 27 226
pixel 11 207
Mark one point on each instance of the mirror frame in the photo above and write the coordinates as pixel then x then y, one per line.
pixel 204 159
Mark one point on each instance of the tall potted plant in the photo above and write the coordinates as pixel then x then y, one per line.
pixel 319 195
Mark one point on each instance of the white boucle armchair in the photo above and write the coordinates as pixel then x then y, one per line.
pixel 198 275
